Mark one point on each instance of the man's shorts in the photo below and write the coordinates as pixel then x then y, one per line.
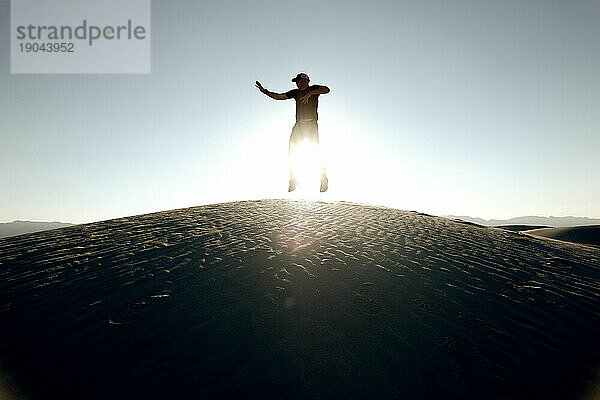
pixel 304 130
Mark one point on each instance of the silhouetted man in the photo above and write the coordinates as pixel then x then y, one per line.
pixel 306 128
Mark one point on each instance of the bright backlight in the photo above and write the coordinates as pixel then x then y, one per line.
pixel 306 164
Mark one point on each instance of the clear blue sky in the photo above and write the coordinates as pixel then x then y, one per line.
pixel 481 108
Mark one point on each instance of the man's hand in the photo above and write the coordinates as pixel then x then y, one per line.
pixel 260 87
pixel 314 92
pixel 305 97
pixel 276 96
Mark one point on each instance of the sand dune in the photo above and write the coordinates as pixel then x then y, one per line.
pixel 520 228
pixel 297 300
pixel 577 234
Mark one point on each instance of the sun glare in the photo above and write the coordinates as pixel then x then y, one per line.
pixel 357 170
pixel 306 164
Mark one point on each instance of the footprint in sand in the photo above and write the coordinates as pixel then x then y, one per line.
pixel 557 262
pixel 475 325
pixel 540 296
pixel 552 304
pixel 497 388
pixel 345 274
pixel 453 344
pixel 136 309
pixel 127 316
pixel 5 307
pixel 369 289
pixel 366 304
pixel 430 306
pixel 461 376
pixel 466 353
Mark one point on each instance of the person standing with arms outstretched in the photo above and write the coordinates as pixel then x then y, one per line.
pixel 306 128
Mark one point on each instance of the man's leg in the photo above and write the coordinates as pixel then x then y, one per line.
pixel 291 146
pixel 323 174
pixel 324 180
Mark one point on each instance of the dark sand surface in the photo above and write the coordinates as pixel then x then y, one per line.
pixel 589 235
pixel 297 300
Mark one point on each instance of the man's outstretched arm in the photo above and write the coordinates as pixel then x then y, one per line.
pixel 319 89
pixel 273 95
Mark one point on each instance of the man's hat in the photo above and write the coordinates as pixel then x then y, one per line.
pixel 301 75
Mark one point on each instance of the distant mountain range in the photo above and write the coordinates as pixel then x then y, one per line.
pixel 19 227
pixel 531 220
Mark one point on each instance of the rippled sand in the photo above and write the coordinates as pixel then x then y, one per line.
pixel 286 299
